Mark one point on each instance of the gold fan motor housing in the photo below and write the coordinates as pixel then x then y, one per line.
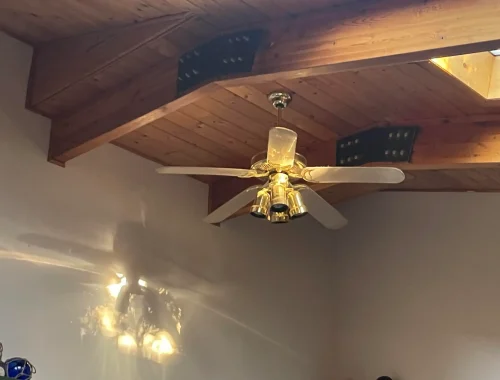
pixel 260 164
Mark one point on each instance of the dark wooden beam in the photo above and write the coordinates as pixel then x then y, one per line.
pixel 351 37
pixel 59 64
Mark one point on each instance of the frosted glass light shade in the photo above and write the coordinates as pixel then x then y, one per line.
pixel 281 148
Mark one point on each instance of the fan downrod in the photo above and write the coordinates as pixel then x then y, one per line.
pixel 279 99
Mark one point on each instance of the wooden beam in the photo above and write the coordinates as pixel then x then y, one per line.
pixel 375 33
pixel 60 64
pixel 350 37
pixel 461 143
pixel 120 111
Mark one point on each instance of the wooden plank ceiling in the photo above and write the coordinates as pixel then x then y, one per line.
pixel 39 21
pixel 229 126
pixel 42 22
pixel 333 62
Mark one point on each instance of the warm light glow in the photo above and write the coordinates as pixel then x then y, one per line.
pixel 162 345
pixel 114 289
pixel 281 147
pixel 479 71
pixel 107 321
pixel 119 275
pixel 148 339
pixel 126 341
pixel 158 347
pixel 260 207
pixel 296 204
pixel 279 185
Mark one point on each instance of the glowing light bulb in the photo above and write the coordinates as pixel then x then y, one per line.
pixel 107 322
pixel 126 341
pixel 114 289
pixel 148 340
pixel 162 345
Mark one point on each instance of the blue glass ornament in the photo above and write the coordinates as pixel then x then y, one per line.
pixel 16 368
pixel 19 368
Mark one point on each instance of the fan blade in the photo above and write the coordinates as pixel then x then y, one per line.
pixel 320 209
pixel 233 205
pixel 281 147
pixel 194 170
pixel 333 174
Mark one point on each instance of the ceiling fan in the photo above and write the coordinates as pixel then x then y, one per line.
pixel 282 196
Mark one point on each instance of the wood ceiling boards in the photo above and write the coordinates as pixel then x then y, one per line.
pixel 229 126
pixel 39 21
pixel 348 67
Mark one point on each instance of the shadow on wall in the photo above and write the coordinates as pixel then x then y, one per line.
pixel 255 320
pixel 219 346
pixel 40 321
pixel 138 252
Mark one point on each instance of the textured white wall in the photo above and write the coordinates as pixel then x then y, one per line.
pixel 409 288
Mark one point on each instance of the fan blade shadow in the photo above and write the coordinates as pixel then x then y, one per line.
pixel 137 253
pixel 76 250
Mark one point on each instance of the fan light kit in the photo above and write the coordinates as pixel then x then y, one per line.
pixel 284 195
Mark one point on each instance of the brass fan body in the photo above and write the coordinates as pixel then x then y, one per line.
pixel 265 168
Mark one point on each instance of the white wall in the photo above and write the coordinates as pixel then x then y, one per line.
pixel 409 289
pixel 95 214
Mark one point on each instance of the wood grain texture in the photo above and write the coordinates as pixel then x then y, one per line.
pixel 102 123
pixel 375 30
pixel 39 21
pixel 91 53
pixel 316 43
pixel 133 65
pixel 239 118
